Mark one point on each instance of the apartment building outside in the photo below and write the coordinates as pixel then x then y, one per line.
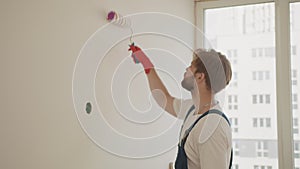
pixel 246 35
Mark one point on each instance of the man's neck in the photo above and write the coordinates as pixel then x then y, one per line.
pixel 203 101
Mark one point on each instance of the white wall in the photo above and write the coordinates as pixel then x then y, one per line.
pixel 40 42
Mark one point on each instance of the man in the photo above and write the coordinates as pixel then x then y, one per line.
pixel 205 139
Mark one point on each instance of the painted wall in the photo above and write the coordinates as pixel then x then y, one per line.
pixel 40 42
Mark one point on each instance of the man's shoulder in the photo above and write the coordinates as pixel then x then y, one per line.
pixel 212 125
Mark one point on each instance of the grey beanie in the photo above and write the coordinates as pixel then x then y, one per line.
pixel 214 67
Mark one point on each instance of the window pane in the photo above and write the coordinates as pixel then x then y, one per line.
pixel 295 65
pixel 268 99
pixel 254 122
pixel 254 75
pixel 245 34
pixel 267 75
pixel 254 99
pixel 261 122
pixel 260 75
pixel 261 98
pixel 268 122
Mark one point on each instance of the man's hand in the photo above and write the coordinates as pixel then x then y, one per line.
pixel 139 57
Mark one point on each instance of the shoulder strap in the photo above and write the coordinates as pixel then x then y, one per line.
pixel 215 111
pixel 187 114
pixel 187 132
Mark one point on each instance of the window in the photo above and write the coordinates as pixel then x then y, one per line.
pixel 260 52
pixel 254 75
pixel 294 50
pixel 232 55
pixel 295 97
pixel 240 21
pixel 234 124
pixel 267 52
pixel 270 52
pixel 235 166
pixel 267 75
pixel 294 73
pixel 236 149
pixel 233 84
pixel 294 82
pixel 229 98
pixel 262 149
pixel 263 122
pixel 255 23
pixel 232 102
pixel 295 67
pixel 295 101
pixel 254 99
pixel 253 53
pixel 235 76
pixel 261 75
pixel 268 98
pixel 295 106
pixel 255 122
pixel 297 150
pixel 294 77
pixel 296 125
pixel 268 122
pixel 263 99
pixel 262 167
pixel 248 30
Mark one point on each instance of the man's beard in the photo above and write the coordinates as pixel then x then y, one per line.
pixel 188 83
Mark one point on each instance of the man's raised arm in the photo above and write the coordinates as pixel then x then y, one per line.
pixel 158 89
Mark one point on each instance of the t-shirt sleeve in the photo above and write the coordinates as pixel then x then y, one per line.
pixel 214 151
pixel 181 107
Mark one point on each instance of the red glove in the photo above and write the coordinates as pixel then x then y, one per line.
pixel 139 56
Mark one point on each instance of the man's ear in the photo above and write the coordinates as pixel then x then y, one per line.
pixel 200 76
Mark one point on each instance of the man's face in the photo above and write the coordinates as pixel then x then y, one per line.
pixel 188 81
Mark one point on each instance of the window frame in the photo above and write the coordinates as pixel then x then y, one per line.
pixel 283 68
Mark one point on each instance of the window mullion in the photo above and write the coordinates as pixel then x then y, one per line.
pixel 283 89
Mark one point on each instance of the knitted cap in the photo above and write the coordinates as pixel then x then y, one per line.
pixel 214 67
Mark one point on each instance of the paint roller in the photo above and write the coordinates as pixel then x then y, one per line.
pixel 121 21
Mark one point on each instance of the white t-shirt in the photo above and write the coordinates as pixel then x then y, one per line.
pixel 209 143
